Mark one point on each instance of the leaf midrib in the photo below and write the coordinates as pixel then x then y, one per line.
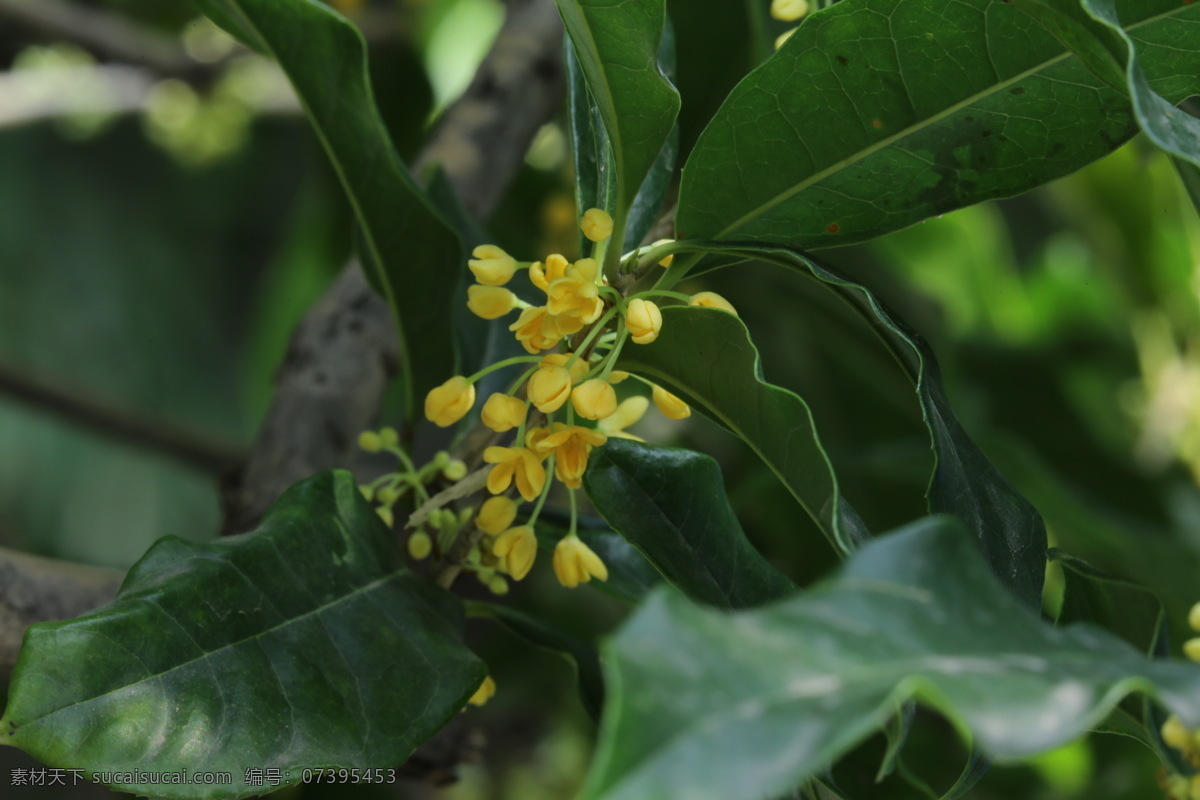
pixel 887 141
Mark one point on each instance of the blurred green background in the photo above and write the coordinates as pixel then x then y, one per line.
pixel 162 229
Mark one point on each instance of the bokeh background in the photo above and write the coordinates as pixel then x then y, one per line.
pixel 166 217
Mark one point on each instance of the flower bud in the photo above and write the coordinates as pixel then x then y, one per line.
pixel 712 300
pixel 1175 734
pixel 665 262
pixel 370 441
pixel 549 388
pixel 491 265
pixel 450 402
pixel 596 224
pixel 518 547
pixel 368 492
pixel 644 320
pixel 455 471
pixel 385 514
pixel 497 585
pixel 789 10
pixel 503 412
pixel 420 545
pixel 490 302
pixel 387 495
pixel 578 367
pixel 1194 618
pixel 669 404
pixel 1191 649
pixel 496 515
pixel 594 399
pixel 783 37
pixel 616 376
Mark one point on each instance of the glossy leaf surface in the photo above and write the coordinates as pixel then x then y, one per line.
pixel 710 705
pixel 411 254
pixel 1008 529
pixel 875 116
pixel 303 644
pixel 671 504
pixel 617 48
pixel 706 356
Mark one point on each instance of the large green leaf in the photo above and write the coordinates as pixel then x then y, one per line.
pixel 412 255
pixel 1008 529
pixel 706 356
pixel 708 705
pixel 874 116
pixel 595 170
pixel 304 644
pixel 1120 606
pixel 671 504
pixel 617 47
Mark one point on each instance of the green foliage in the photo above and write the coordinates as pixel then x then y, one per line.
pixel 396 221
pixel 671 505
pixel 305 644
pixel 710 704
pixel 842 136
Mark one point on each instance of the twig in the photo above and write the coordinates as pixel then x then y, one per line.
pixel 81 408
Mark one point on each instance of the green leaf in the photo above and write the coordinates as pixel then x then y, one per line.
pixel 709 705
pixel 1171 128
pixel 543 634
pixel 1008 529
pixel 706 357
pixel 304 644
pixel 875 116
pixel 617 47
pixel 670 503
pixel 411 254
pixel 1122 607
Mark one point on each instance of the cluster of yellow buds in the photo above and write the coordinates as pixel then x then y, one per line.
pixel 788 11
pixel 1177 735
pixel 585 322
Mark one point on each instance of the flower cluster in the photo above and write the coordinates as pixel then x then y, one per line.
pixel 1177 735
pixel 565 403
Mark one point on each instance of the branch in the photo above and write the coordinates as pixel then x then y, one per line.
pixel 81 408
pixel 344 353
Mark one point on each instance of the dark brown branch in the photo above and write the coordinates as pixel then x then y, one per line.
pixel 344 353
pixel 81 408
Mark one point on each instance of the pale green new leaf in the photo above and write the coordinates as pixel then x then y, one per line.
pixel 710 705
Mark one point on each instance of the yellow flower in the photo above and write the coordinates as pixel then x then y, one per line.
pixel 669 404
pixel 484 692
pixel 596 224
pixel 556 267
pixel 1193 616
pixel 420 545
pixel 450 402
pixel 515 462
pixel 789 10
pixel 594 399
pixel 712 300
pixel 536 330
pixel 571 445
pixel 644 320
pixel 495 515
pixel 628 413
pixel 1191 649
pixel 616 376
pixel 578 367
pixel 534 437
pixel 783 37
pixel 490 302
pixel 491 265
pixel 576 563
pixel 518 547
pixel 548 388
pixel 1175 734
pixel 575 294
pixel 503 412
pixel 370 441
